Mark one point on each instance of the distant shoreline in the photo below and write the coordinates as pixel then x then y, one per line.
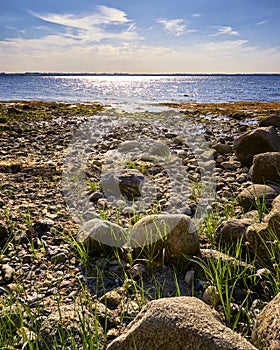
pixel 137 74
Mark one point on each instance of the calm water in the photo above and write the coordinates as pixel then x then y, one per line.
pixel 132 92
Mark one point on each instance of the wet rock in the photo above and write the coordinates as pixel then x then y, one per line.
pixel 273 120
pixel 266 331
pixel 196 327
pixel 99 235
pixel 174 232
pixel 266 168
pixel 238 115
pixel 68 324
pixel 260 140
pixel 256 195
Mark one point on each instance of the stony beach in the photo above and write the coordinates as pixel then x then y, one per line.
pixel 56 279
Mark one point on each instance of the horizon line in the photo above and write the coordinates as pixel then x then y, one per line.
pixel 132 74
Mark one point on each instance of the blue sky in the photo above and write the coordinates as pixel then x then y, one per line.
pixel 147 36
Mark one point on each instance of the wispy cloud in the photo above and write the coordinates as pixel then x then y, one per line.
pixel 223 46
pixel 175 27
pixel 103 15
pixel 196 15
pixel 224 30
pixel 262 22
pixel 105 23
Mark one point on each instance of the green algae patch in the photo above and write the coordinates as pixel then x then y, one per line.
pixel 236 110
pixel 12 111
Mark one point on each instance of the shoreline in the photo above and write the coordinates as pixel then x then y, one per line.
pixel 40 245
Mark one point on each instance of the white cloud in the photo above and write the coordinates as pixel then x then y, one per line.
pixel 226 45
pixel 175 27
pixel 103 15
pixel 95 27
pixel 262 22
pixel 108 41
pixel 196 15
pixel 51 54
pixel 224 30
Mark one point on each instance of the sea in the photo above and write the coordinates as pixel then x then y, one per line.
pixel 139 92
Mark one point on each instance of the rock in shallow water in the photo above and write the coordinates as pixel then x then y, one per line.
pixel 273 120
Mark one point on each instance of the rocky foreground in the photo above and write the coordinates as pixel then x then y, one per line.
pixel 213 281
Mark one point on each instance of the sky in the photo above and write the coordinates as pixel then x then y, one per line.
pixel 147 36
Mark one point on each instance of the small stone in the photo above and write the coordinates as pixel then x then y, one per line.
pixel 189 277
pixel 59 258
pixel 7 273
pixel 138 270
pixel 211 296
pixel 102 203
pixel 111 298
pixel 95 196
pixel 3 231
pixel 231 165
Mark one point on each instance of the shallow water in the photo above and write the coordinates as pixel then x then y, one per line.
pixel 132 93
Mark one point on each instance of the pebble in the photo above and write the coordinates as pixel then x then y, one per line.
pixel 189 277
pixel 7 273
pixel 211 296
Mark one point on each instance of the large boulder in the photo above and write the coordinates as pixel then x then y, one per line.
pixel 266 331
pixel 68 324
pixel 273 120
pixel 260 140
pixel 257 195
pixel 266 168
pixel 174 232
pixel 178 323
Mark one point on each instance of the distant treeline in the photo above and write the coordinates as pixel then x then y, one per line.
pixel 137 74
